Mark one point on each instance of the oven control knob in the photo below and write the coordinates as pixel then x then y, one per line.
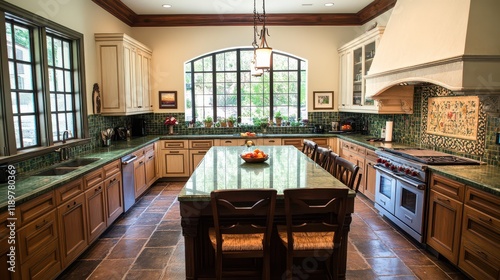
pixel 414 173
pixel 393 167
pixel 407 171
pixel 401 169
pixel 379 160
pixel 387 164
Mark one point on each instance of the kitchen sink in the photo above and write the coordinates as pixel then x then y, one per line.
pixel 67 167
pixel 79 162
pixel 56 171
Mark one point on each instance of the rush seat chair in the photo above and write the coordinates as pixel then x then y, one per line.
pixel 243 221
pixel 314 223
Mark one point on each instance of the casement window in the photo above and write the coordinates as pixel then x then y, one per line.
pixel 43 90
pixel 220 85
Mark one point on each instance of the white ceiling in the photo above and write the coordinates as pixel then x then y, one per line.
pixel 149 7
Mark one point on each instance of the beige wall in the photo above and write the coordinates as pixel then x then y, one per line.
pixel 172 47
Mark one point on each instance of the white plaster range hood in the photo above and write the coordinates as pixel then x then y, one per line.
pixel 450 43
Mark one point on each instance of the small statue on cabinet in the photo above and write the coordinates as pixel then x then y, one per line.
pixel 96 99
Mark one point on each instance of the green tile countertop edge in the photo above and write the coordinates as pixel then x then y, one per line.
pixel 483 177
pixel 28 186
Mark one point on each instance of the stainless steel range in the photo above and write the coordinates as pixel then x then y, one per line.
pixel 401 186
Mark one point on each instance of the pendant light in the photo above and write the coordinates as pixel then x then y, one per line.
pixel 254 71
pixel 263 52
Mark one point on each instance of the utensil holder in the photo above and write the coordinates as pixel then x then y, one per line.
pixel 106 143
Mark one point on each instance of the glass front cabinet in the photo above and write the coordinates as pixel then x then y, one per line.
pixel 355 60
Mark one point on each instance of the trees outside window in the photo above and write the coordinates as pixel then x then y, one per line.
pixel 220 85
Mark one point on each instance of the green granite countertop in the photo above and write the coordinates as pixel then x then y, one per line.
pixel 483 177
pixel 287 167
pixel 29 186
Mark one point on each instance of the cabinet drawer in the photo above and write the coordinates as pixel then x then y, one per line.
pixel 294 142
pixel 69 191
pixel 232 142
pixel 176 144
pixel 93 178
pixel 35 208
pixel 149 148
pixel 4 231
pixel 36 235
pixel 483 201
pixel 112 168
pixel 271 141
pixel 447 187
pixel 201 144
pixel 477 262
pixel 45 264
pixel 322 142
pixel 371 155
pixel 344 145
pixel 482 229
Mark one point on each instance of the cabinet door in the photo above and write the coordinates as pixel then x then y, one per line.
pixel 5 247
pixel 297 142
pixel 146 83
pixel 150 166
pixel 33 237
pixel 195 157
pixel 175 163
pixel 346 78
pixel 114 197
pixel 96 211
pixel 72 228
pixel 444 225
pixel 110 67
pixel 371 178
pixel 140 176
pixel 45 264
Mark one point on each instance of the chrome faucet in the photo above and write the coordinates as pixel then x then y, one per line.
pixel 63 151
pixel 65 136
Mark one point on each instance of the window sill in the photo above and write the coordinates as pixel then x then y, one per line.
pixel 40 151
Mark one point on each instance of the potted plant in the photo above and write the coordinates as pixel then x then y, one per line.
pixel 230 121
pixel 222 122
pixel 278 117
pixel 208 121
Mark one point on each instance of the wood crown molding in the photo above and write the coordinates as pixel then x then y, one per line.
pixel 125 14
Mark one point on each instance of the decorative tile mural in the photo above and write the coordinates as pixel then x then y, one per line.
pixel 471 147
pixel 453 116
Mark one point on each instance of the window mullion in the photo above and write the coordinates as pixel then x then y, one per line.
pixel 43 96
pixel 7 134
pixel 214 88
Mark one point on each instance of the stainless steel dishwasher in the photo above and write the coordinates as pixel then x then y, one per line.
pixel 128 181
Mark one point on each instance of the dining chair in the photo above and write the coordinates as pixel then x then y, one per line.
pixel 234 235
pixel 332 157
pixel 309 148
pixel 314 224
pixel 322 157
pixel 347 172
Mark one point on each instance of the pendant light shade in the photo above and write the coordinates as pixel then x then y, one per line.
pixel 263 58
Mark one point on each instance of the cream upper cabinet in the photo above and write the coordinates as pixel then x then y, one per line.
pixel 355 61
pixel 124 67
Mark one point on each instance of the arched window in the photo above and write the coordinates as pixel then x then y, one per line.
pixel 220 85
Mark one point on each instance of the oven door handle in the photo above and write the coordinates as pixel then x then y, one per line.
pixel 399 177
pixel 411 182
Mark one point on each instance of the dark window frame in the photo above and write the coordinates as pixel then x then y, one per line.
pixel 300 69
pixel 42 27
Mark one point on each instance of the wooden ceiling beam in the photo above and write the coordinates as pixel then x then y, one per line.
pixel 125 14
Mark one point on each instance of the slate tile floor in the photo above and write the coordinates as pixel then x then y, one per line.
pixel 147 243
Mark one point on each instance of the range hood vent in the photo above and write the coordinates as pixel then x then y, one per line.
pixel 453 44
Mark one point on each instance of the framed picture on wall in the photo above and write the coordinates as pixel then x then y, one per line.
pixel 323 100
pixel 168 100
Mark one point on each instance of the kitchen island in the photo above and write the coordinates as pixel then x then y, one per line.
pixel 222 168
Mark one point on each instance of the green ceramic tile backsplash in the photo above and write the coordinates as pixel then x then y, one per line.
pixel 407 130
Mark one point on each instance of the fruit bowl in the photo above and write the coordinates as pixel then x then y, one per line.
pixel 255 156
pixel 254 160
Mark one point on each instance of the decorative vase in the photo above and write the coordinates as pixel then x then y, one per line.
pixel 170 129
pixel 230 124
pixel 278 122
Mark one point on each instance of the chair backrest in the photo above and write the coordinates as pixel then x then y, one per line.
pixel 230 206
pixel 347 172
pixel 332 157
pixel 322 157
pixel 309 148
pixel 315 210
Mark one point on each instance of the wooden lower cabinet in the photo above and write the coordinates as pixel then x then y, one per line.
pixel 113 197
pixel 175 163
pixel 444 221
pixel 297 142
pixel 45 264
pixel 140 176
pixel 371 178
pixel 72 228
pixel 150 166
pixel 195 157
pixel 96 211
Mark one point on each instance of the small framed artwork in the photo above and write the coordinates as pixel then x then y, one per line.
pixel 323 100
pixel 168 100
